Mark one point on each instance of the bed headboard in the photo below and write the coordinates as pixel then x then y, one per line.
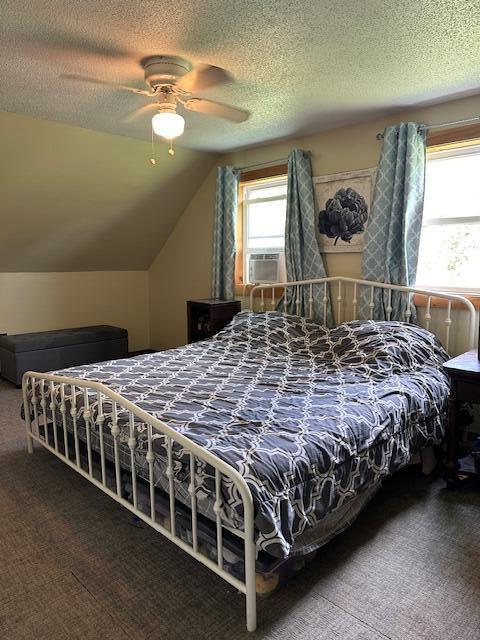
pixel 345 302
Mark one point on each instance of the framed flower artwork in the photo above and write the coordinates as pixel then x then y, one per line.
pixel 343 204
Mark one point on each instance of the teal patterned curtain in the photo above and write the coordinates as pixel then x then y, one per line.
pixel 392 237
pixel 302 253
pixel 223 260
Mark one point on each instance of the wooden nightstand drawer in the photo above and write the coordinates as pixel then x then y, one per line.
pixel 464 374
pixel 466 390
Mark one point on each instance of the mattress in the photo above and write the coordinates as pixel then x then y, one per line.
pixel 313 418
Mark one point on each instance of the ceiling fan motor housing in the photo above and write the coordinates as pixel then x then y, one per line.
pixel 164 70
pixel 167 102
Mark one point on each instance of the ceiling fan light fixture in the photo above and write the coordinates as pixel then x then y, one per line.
pixel 168 124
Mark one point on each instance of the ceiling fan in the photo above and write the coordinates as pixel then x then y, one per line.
pixel 172 81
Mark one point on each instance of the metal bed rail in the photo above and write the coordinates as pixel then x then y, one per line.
pixel 47 399
pixel 293 291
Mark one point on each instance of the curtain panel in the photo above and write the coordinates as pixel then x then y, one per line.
pixel 223 257
pixel 302 254
pixel 392 237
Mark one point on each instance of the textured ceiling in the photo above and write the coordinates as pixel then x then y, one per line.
pixel 300 65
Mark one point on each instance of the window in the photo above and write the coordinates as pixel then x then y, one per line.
pixel 449 255
pixel 262 220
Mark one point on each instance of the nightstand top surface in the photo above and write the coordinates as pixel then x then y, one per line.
pixel 213 301
pixel 465 363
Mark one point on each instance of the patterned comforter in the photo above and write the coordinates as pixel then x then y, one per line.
pixel 311 417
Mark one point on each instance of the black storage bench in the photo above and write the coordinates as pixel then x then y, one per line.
pixel 51 350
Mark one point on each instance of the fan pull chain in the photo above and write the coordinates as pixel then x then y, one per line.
pixel 152 159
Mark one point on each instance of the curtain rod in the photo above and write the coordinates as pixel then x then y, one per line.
pixel 270 163
pixel 379 136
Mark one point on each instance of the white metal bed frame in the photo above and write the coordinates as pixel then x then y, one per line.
pixel 37 386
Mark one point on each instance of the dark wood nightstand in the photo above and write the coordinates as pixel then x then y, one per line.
pixel 464 374
pixel 2 333
pixel 208 317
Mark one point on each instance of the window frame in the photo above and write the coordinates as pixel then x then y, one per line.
pixel 248 179
pixel 446 145
pixel 271 182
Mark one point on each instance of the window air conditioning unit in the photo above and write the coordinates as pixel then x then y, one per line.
pixel 264 268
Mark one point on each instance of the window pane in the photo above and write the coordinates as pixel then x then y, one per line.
pixel 450 256
pixel 450 187
pixel 266 220
pixel 266 191
pixel 268 242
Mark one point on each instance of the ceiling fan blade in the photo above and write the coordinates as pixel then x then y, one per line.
pixel 217 109
pixel 203 76
pixel 73 76
pixel 151 106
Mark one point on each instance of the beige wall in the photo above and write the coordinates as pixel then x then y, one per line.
pixel 182 268
pixel 82 215
pixel 43 301
pixel 72 199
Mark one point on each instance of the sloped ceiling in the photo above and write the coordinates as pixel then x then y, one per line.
pixel 301 65
pixel 78 200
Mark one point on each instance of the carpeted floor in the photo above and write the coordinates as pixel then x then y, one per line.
pixel 74 565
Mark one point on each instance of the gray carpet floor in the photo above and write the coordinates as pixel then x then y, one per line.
pixel 74 565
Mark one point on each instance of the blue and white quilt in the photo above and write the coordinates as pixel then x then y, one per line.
pixel 311 417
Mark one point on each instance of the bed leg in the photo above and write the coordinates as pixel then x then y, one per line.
pixel 251 592
pixel 28 420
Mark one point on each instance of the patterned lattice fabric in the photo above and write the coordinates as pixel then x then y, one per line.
pixel 223 256
pixel 311 417
pixel 392 237
pixel 302 254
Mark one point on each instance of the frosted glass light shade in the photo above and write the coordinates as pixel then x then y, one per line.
pixel 168 125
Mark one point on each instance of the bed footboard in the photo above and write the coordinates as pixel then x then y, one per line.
pixel 50 401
